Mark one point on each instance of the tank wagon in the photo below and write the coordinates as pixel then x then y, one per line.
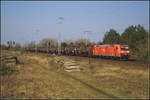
pixel 113 51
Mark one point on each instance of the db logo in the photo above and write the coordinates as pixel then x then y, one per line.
pixel 103 50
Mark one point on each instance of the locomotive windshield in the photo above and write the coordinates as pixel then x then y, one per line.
pixel 124 47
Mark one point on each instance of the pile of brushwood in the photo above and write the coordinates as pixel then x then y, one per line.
pixel 8 65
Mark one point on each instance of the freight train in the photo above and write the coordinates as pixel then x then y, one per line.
pixel 112 51
pixel 104 51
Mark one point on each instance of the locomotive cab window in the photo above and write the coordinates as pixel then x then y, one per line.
pixel 124 47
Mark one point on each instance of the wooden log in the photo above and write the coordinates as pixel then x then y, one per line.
pixel 70 70
pixel 66 64
pixel 9 59
pixel 71 67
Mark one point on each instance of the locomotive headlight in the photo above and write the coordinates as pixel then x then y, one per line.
pixel 122 51
pixel 128 51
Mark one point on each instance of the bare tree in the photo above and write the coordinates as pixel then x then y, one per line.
pixel 82 42
pixel 69 42
pixel 17 46
pixel 48 42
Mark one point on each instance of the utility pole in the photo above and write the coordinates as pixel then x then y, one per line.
pixel 59 35
pixel 86 36
pixel 47 47
pixel 36 48
pixel 89 49
pixel 35 36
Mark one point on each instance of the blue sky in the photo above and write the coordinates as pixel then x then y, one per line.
pixel 34 20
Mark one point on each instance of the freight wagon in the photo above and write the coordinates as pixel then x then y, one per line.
pixel 106 50
pixel 113 51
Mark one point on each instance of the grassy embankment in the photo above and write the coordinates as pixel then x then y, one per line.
pixel 39 78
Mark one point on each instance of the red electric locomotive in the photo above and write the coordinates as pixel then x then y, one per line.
pixel 115 51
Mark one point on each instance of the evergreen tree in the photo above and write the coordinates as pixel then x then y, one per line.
pixel 111 37
pixel 137 39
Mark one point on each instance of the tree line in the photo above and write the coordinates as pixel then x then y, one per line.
pixel 135 36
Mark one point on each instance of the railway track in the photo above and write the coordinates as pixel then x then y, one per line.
pixel 130 60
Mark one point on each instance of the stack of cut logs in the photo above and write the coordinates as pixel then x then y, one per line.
pixel 66 64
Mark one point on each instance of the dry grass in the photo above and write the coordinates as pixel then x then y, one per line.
pixel 125 79
pixel 39 78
